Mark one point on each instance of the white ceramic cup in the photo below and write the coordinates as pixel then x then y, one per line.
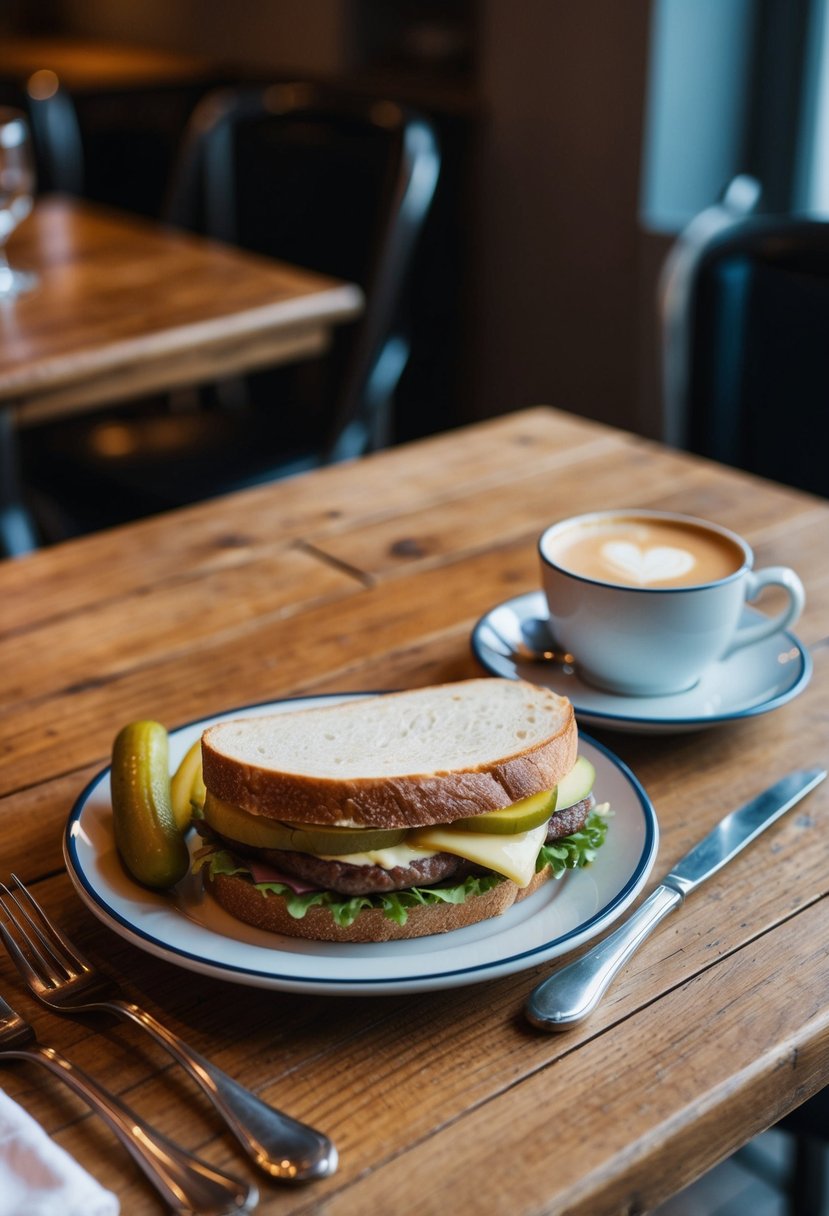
pixel 632 637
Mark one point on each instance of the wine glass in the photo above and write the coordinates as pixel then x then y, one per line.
pixel 17 184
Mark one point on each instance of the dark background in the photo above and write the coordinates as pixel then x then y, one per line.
pixel 535 282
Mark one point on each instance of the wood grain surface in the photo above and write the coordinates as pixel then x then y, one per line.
pixel 371 576
pixel 124 307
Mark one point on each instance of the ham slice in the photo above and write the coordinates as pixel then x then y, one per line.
pixel 262 872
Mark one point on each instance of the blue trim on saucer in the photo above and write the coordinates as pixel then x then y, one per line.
pixel 599 717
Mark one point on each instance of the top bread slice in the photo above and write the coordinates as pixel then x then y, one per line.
pixel 405 759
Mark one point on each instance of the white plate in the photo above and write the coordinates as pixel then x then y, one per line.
pixel 752 681
pixel 190 929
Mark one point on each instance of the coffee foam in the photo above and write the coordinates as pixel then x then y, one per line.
pixel 636 551
pixel 636 564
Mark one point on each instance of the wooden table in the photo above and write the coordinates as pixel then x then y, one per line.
pixel 126 307
pixel 371 576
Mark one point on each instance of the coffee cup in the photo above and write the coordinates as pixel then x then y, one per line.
pixel 646 600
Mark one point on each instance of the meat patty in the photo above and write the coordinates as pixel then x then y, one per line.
pixel 349 879
pixel 571 819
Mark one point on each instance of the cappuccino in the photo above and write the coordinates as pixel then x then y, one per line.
pixel 638 551
pixel 645 600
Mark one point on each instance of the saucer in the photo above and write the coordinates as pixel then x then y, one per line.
pixel 751 681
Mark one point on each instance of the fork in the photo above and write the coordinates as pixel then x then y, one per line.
pixel 186 1184
pixel 62 979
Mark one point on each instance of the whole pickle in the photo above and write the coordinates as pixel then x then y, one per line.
pixel 149 840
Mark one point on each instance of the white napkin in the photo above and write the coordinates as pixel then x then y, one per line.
pixel 38 1178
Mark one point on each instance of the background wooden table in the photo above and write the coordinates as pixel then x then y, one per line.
pixel 371 576
pixel 125 307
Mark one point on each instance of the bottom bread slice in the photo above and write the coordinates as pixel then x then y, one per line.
pixel 268 910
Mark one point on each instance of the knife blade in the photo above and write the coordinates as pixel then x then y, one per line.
pixel 567 997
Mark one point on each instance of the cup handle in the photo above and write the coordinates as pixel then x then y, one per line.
pixel 779 576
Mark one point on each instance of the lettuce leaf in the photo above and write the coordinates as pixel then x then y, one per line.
pixel 569 853
pixel 345 909
pixel 579 849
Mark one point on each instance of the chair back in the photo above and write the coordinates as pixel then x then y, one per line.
pixel 745 319
pixel 335 183
pixel 56 134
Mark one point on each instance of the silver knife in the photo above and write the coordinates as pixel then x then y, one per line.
pixel 572 993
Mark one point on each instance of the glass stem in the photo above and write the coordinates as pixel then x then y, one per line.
pixel 6 276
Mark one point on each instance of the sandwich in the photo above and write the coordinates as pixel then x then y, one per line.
pixel 397 815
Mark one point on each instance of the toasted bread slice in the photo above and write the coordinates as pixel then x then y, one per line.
pixel 268 910
pixel 405 759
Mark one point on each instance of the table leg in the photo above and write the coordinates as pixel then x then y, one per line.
pixel 17 529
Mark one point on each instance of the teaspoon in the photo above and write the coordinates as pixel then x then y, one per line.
pixel 530 640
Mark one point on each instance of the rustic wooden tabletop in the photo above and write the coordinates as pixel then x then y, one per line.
pixel 372 576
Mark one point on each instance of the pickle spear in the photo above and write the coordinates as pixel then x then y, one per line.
pixel 149 841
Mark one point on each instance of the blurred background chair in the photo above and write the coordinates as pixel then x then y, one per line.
pixel 56 134
pixel 745 319
pixel 807 1184
pixel 745 300
pixel 309 174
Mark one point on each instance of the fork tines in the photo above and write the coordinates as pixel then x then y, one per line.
pixel 37 944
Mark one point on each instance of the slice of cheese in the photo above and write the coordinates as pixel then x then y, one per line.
pixel 513 856
pixel 387 859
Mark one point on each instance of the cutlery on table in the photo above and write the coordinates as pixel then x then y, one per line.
pixel 186 1184
pixel 569 995
pixel 60 977
pixel 530 641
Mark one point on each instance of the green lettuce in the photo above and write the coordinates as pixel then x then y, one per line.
pixel 569 853
pixel 578 850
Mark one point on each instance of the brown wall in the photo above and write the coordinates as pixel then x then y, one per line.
pixel 557 246
pixel 314 35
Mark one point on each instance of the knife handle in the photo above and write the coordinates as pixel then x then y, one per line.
pixel 572 993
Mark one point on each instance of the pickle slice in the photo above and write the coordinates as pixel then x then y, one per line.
pixel 149 841
pixel 185 785
pixel 335 842
pixel 521 816
pixel 530 812
pixel 576 785
pixel 255 830
pixel 262 833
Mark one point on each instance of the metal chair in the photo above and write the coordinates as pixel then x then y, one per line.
pixel 745 310
pixel 745 314
pixel 312 175
pixel 808 1182
pixel 56 134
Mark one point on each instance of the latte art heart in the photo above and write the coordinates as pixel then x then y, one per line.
pixel 650 565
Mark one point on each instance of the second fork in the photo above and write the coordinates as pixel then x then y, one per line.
pixel 186 1184
pixel 63 980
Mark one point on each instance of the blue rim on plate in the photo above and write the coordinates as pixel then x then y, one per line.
pixel 189 929
pixel 753 681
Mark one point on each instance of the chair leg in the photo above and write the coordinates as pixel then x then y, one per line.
pixel 808 1182
pixel 18 533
